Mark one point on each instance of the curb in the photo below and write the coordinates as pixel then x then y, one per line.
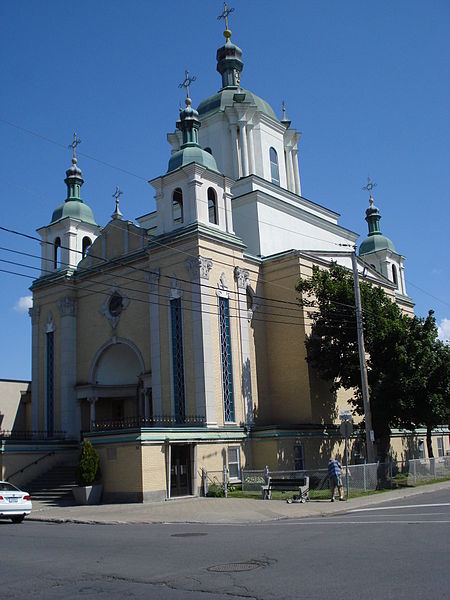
pixel 338 509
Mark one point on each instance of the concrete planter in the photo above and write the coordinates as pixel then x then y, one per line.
pixel 89 494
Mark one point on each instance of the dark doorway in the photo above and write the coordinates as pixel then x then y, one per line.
pixel 180 470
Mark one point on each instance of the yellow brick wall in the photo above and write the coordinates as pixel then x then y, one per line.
pixel 154 468
pixel 121 469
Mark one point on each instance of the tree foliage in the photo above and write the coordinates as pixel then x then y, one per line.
pixel 426 377
pixel 405 360
pixel 88 467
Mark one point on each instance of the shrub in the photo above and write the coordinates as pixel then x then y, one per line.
pixel 215 491
pixel 88 470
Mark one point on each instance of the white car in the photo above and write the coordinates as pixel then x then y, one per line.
pixel 14 504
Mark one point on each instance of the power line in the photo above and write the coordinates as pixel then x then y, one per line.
pixel 127 172
pixel 107 293
pixel 51 141
pixel 301 317
pixel 108 263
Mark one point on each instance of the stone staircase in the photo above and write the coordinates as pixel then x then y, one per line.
pixel 54 488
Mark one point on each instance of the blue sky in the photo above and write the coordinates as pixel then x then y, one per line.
pixel 366 83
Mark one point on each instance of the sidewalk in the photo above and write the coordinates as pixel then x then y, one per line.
pixel 216 510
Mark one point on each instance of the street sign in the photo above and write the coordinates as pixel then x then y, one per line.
pixel 345 415
pixel 346 428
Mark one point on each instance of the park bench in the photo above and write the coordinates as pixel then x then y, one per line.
pixel 287 484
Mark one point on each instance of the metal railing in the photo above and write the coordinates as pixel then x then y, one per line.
pixel 35 462
pixel 31 435
pixel 154 421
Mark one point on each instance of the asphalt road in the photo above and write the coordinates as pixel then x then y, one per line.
pixel 394 550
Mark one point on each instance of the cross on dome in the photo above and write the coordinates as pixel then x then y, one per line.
pixel 369 187
pixel 76 142
pixel 224 15
pixel 188 79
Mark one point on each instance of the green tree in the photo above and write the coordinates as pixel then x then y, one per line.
pixel 332 347
pixel 426 377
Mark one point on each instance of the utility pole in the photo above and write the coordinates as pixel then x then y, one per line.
pixel 362 363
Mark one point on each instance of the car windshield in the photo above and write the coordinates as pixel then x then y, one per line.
pixel 7 487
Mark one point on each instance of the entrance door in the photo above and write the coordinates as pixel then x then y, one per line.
pixel 180 470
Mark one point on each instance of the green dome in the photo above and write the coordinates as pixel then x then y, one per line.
pixel 76 209
pixel 224 97
pixel 191 154
pixel 374 243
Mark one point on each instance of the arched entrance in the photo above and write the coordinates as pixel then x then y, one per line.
pixel 114 393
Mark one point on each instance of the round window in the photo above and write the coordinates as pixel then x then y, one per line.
pixel 115 305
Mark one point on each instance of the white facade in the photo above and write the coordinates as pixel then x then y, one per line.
pixel 64 242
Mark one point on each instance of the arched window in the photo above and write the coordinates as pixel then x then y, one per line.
pixel 57 253
pixel 394 275
pixel 177 206
pixel 85 245
pixel 274 170
pixel 208 149
pixel 212 206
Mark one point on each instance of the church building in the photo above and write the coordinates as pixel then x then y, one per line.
pixel 175 342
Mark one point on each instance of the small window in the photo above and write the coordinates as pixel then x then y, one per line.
pixel 394 275
pixel 440 445
pixel 57 253
pixel 177 206
pixel 274 170
pixel 421 449
pixel 234 463
pixel 86 244
pixel 208 149
pixel 299 457
pixel 212 206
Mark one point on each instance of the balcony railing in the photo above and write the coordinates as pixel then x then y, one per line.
pixel 32 435
pixel 154 421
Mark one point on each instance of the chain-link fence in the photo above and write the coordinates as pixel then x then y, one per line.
pixel 356 478
pixel 359 478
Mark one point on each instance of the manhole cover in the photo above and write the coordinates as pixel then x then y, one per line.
pixel 193 534
pixel 234 567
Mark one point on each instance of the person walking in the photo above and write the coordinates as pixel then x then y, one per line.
pixel 334 473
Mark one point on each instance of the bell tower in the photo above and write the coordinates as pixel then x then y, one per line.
pixel 193 191
pixel 72 230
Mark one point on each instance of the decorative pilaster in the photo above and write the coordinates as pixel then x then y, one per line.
pixel 244 151
pixel 34 313
pixel 69 407
pixel 49 376
pixel 92 402
pixel 234 150
pixel 199 268
pixel 298 189
pixel 251 150
pixel 243 281
pixel 290 170
pixel 155 350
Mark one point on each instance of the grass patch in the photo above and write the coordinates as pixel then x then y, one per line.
pixel 398 483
